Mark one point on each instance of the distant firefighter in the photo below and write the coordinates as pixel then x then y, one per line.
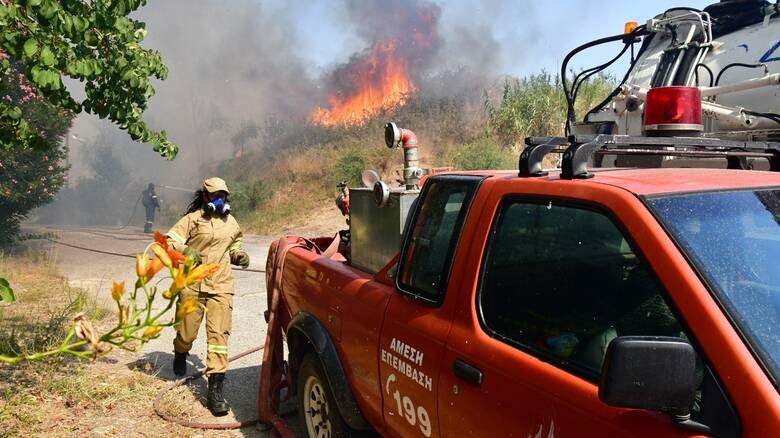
pixel 151 203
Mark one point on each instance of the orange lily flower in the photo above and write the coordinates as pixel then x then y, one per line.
pixel 182 280
pixel 176 256
pixel 179 283
pixel 161 239
pixel 154 267
pixel 146 269
pixel 202 271
pixel 186 308
pixel 117 290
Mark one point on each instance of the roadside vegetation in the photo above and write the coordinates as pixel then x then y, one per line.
pixel 63 396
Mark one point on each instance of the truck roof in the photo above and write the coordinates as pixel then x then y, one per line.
pixel 660 180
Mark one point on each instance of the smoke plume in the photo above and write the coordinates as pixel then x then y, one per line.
pixel 236 65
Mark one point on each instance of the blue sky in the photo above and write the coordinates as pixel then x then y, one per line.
pixel 532 35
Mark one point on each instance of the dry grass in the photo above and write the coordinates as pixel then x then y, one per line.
pixel 63 396
pixel 304 181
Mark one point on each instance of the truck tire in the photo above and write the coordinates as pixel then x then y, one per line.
pixel 320 416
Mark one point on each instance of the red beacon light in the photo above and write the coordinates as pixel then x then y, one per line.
pixel 671 111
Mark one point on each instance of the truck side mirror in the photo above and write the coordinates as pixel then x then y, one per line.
pixel 649 372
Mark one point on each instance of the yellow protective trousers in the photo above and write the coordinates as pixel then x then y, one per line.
pixel 219 319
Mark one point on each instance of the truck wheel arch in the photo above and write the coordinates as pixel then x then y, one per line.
pixel 304 333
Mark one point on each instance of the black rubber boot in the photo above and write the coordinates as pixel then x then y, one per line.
pixel 216 403
pixel 179 364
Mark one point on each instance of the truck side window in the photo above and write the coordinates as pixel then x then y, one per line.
pixel 433 235
pixel 563 281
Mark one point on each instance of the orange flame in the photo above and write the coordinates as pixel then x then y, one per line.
pixel 381 81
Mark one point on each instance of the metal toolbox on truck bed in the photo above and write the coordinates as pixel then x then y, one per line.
pixel 376 230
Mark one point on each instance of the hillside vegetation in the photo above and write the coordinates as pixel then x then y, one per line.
pixel 294 173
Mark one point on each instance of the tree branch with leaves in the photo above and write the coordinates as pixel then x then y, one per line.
pixel 94 42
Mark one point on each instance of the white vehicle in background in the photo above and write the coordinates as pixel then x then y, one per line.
pixel 730 52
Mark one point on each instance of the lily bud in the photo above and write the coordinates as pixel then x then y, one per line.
pixel 152 332
pixel 141 265
pixel 124 314
pixel 162 254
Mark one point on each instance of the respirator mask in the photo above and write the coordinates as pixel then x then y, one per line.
pixel 218 206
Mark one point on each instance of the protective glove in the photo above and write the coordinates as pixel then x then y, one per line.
pixel 194 254
pixel 240 258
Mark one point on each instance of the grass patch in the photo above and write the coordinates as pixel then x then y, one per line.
pixel 536 106
pixel 179 401
pixel 482 154
pixel 18 412
pixel 63 394
pixel 304 180
pixel 77 384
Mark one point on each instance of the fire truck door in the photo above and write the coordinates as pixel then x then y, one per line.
pixel 419 315
pixel 558 281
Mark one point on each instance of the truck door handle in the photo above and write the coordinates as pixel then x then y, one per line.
pixel 467 372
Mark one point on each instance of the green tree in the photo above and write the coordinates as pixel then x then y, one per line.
pixel 44 41
pixel 92 41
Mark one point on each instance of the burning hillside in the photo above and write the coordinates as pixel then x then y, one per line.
pixel 383 76
pixel 378 81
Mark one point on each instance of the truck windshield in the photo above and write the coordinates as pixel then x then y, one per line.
pixel 733 239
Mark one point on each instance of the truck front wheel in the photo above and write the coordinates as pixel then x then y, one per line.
pixel 319 414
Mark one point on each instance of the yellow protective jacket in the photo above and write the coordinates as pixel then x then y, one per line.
pixel 218 239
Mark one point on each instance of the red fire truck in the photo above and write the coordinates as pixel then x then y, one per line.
pixel 633 290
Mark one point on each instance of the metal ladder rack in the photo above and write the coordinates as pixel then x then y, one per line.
pixel 580 149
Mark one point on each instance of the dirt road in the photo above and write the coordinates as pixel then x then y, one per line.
pixel 95 272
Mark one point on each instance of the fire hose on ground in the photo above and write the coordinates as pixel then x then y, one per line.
pixel 195 424
pixel 131 256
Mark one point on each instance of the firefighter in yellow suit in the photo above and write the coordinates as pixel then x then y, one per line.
pixel 210 234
